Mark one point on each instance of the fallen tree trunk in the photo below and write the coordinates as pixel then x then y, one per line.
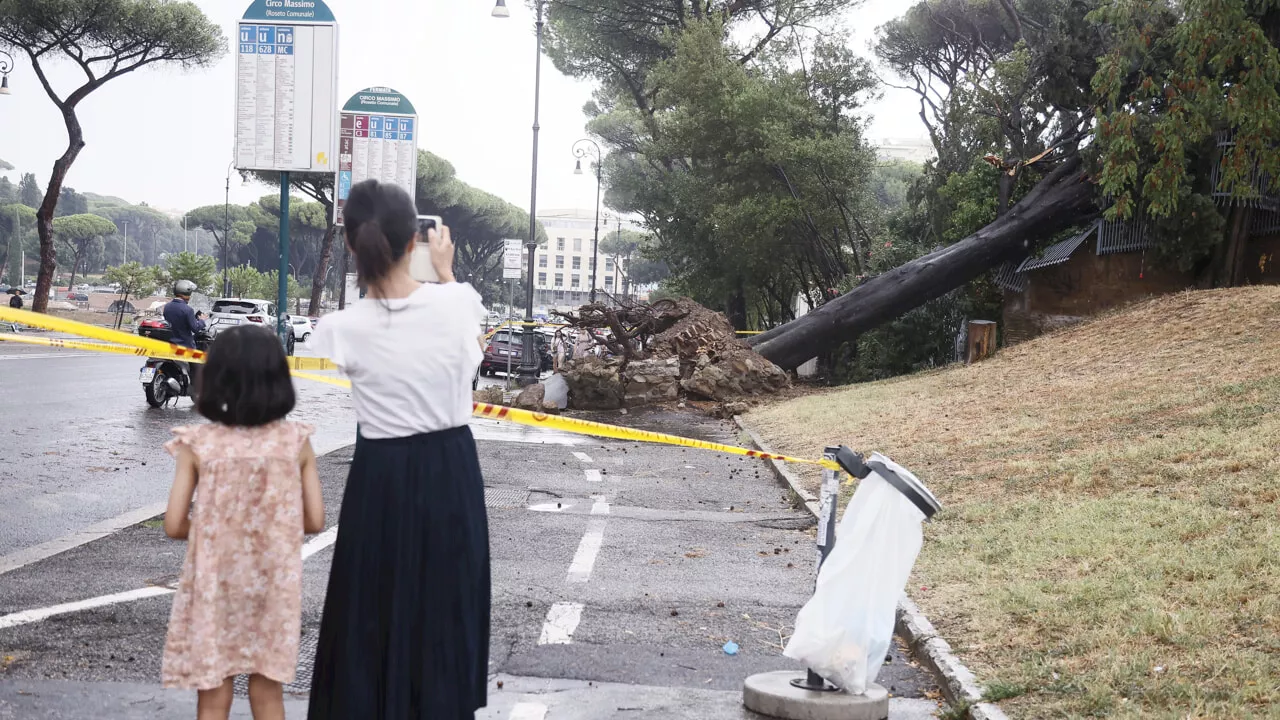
pixel 1056 202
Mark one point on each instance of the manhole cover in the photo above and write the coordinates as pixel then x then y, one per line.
pixel 505 497
pixel 306 666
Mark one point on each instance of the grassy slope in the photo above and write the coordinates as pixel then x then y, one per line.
pixel 1110 544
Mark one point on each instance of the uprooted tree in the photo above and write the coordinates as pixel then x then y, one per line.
pixel 625 329
pixel 1044 113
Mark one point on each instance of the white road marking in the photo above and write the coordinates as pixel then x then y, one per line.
pixel 35 553
pixel 584 561
pixel 30 616
pixel 320 542
pixel 583 457
pixel 528 711
pixel 315 545
pixel 494 431
pixel 551 507
pixel 601 506
pixel 562 620
pixel 593 475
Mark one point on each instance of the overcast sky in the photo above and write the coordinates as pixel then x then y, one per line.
pixel 165 136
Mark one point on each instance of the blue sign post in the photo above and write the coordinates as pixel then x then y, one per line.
pixel 286 97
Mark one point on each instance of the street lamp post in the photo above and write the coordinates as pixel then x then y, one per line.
pixel 6 67
pixel 588 148
pixel 226 233
pixel 530 364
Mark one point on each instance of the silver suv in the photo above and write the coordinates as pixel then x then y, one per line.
pixel 230 312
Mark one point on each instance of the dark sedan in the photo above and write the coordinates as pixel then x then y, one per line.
pixel 506 345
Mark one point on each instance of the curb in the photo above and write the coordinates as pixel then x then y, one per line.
pixel 958 685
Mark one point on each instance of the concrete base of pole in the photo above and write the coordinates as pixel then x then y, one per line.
pixel 773 695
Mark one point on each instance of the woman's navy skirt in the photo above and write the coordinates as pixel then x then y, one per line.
pixel 405 632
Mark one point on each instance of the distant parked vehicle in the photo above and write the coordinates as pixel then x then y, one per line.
pixel 230 312
pixel 302 327
pixel 507 345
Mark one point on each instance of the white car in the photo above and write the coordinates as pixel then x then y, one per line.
pixel 301 327
pixel 230 312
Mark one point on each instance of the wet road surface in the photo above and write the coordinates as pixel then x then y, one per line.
pixel 619 570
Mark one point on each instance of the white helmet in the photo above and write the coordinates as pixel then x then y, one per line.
pixel 184 288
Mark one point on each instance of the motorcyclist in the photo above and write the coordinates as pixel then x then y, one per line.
pixel 184 323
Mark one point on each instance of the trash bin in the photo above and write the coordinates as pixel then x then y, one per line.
pixel 843 632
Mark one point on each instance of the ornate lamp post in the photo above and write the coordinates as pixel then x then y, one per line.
pixel 588 148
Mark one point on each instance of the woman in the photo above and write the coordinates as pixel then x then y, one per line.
pixel 405 632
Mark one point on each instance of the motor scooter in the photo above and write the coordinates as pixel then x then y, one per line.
pixel 164 379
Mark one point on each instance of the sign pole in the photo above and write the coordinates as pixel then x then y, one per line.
pixel 282 294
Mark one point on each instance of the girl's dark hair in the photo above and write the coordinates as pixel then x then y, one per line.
pixel 380 220
pixel 245 379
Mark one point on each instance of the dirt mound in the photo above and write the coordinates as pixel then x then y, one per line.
pixel 700 357
pixel 701 331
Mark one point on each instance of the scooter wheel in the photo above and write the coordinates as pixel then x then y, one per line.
pixel 157 391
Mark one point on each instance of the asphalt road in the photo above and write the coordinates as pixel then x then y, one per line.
pixel 81 446
pixel 620 571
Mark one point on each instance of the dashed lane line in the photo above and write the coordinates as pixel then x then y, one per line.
pixel 583 457
pixel 528 711
pixel 593 475
pixel 584 561
pixel 600 506
pixel 562 620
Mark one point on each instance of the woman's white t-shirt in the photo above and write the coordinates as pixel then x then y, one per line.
pixel 411 360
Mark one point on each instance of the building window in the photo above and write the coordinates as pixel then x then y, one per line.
pixel 574 282
pixel 559 279
pixel 592 263
pixel 559 262
pixel 542 261
pixel 608 281
pixel 608 265
pixel 542 278
pixel 577 244
pixel 560 244
pixel 577 263
pixel 559 295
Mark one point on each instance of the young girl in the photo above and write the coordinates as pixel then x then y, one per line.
pixel 238 610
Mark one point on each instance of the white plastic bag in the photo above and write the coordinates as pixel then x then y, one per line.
pixel 843 632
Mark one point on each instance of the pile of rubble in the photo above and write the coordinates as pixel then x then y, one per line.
pixel 698 357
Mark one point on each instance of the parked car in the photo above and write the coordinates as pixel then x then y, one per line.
pixel 506 344
pixel 302 326
pixel 230 312
pixel 77 297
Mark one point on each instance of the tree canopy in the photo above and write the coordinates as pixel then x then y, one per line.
pixel 103 40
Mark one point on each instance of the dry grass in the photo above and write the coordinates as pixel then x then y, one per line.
pixel 1110 542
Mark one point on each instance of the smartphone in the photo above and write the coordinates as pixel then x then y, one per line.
pixel 420 266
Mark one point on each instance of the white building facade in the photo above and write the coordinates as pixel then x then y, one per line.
pixel 562 273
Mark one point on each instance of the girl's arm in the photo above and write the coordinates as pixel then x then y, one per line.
pixel 312 500
pixel 177 520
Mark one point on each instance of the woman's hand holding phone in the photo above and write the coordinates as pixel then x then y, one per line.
pixel 440 248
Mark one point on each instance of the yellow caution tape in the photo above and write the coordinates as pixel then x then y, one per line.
pixel 587 427
pixel 61 344
pixel 154 348
pixel 93 332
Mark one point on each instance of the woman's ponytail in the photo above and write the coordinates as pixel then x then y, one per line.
pixel 381 220
pixel 373 253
